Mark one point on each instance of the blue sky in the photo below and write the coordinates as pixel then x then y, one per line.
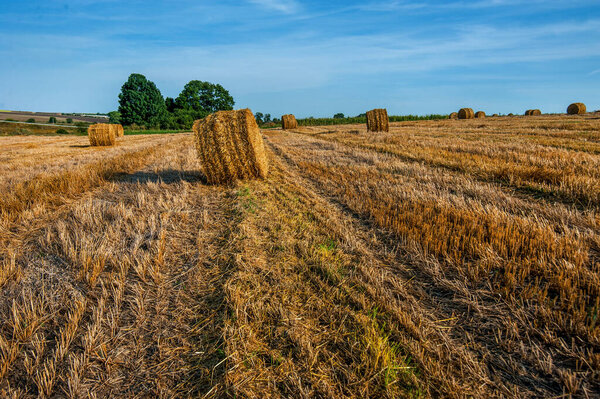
pixel 308 57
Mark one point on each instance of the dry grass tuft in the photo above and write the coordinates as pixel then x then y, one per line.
pixel 102 134
pixel 230 146
pixel 378 121
pixel 10 271
pixel 289 122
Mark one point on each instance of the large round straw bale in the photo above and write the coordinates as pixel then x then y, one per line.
pixel 528 112
pixel 576 109
pixel 378 120
pixel 466 113
pixel 289 122
pixel 479 114
pixel 102 134
pixel 230 146
pixel 453 115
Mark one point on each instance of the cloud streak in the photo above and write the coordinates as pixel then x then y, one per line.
pixel 326 55
pixel 283 6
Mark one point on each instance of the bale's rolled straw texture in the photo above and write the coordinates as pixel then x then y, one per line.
pixel 378 121
pixel 479 114
pixel 119 132
pixel 102 134
pixel 576 109
pixel 289 122
pixel 453 115
pixel 466 113
pixel 230 146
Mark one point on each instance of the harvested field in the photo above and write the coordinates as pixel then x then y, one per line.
pixel 451 258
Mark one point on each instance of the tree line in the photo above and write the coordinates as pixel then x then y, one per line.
pixel 142 105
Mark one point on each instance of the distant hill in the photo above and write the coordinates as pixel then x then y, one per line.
pixel 42 117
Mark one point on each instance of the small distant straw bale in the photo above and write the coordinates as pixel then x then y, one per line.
pixel 453 115
pixel 378 120
pixel 479 114
pixel 102 134
pixel 466 113
pixel 289 122
pixel 230 146
pixel 576 109
pixel 119 130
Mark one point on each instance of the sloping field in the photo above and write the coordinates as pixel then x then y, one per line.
pixel 42 117
pixel 442 259
pixel 25 129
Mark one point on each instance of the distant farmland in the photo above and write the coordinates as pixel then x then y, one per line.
pixel 25 129
pixel 42 117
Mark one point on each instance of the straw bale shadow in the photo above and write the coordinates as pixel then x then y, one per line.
pixel 168 176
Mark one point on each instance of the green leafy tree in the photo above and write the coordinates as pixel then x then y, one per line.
pixel 69 120
pixel 259 118
pixel 339 116
pixel 170 104
pixel 52 119
pixel 114 117
pixel 30 120
pixel 267 118
pixel 141 103
pixel 183 119
pixel 204 98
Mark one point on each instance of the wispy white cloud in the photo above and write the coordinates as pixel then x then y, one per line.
pixel 395 5
pixel 256 57
pixel 284 6
pixel 407 5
